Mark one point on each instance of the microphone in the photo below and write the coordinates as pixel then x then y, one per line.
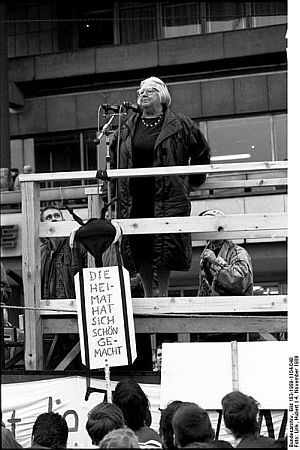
pixel 128 105
pixel 108 107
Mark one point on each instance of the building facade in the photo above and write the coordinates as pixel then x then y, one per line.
pixel 224 63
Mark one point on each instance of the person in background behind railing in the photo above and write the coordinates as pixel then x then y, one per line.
pixel 26 169
pixel 5 294
pixel 225 268
pixel 5 287
pixel 59 263
pixel 157 137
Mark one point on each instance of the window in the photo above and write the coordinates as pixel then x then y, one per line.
pixel 249 135
pixel 181 19
pixel 225 16
pixel 45 27
pixel 31 28
pixel 90 151
pixel 280 134
pixel 268 13
pixel 275 288
pixel 58 154
pixel 97 28
pixel 138 22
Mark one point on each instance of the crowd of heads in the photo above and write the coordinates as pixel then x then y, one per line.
pixel 182 424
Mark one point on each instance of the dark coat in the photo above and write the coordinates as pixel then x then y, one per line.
pixel 179 143
pixel 256 441
pixel 69 261
pixel 230 274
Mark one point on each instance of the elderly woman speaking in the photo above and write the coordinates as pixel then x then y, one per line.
pixel 157 137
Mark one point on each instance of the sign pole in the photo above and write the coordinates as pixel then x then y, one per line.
pixel 108 383
pixel 235 366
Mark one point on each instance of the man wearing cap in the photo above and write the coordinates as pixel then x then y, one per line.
pixel 225 267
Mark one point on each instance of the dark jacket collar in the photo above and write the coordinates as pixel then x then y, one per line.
pixel 170 126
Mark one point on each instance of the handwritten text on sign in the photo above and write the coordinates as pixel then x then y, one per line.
pixel 105 317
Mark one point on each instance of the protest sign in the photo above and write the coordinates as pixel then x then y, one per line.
pixel 105 317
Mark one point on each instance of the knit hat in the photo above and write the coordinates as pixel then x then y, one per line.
pixel 212 212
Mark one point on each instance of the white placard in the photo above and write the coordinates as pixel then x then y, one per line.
pixel 263 372
pixel 201 372
pixel 196 372
pixel 105 318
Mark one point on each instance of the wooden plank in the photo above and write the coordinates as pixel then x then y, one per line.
pixel 156 306
pixel 69 357
pixel 185 324
pixel 31 273
pixel 62 325
pixel 266 225
pixel 214 183
pixel 52 194
pixel 50 353
pixel 211 324
pixel 267 337
pixel 157 171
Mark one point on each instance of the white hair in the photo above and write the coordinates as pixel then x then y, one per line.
pixel 164 95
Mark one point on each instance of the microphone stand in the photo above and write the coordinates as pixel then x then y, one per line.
pixel 105 132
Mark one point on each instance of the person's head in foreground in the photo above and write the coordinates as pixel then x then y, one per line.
pixel 122 438
pixel 50 430
pixel 191 424
pixel 165 424
pixel 240 414
pixel 102 419
pixel 133 403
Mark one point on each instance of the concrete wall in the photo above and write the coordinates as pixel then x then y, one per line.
pixel 198 99
pixel 220 97
pixel 160 53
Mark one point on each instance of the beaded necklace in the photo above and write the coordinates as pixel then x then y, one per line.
pixel 153 124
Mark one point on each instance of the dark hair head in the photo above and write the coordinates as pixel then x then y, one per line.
pixel 123 438
pixel 50 430
pixel 192 424
pixel 102 419
pixel 133 403
pixel 165 424
pixel 240 413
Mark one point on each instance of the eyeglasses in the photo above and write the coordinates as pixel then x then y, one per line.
pixel 54 216
pixel 149 92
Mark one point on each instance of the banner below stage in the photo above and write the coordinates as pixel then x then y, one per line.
pixel 23 402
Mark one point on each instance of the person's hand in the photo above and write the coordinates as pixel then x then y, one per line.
pixel 209 256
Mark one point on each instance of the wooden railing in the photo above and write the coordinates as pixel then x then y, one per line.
pixel 265 314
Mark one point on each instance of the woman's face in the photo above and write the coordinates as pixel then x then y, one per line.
pixel 148 97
